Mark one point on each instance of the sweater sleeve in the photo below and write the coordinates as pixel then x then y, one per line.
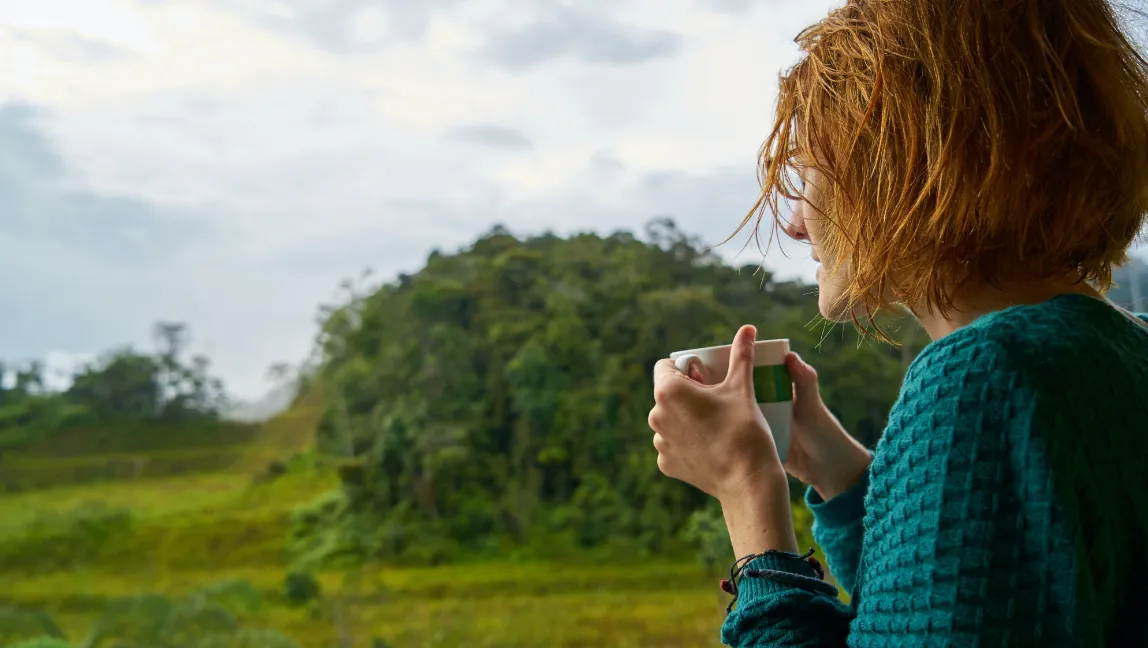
pixel 837 529
pixel 940 533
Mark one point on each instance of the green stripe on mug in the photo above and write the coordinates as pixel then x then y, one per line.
pixel 772 384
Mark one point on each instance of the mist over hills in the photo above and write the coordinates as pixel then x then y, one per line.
pixel 275 401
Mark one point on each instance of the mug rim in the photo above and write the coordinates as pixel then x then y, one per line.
pixel 675 354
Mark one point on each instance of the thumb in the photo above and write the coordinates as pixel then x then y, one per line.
pixel 804 377
pixel 741 358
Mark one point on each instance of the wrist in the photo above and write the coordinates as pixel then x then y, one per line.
pixel 748 479
pixel 758 515
pixel 850 467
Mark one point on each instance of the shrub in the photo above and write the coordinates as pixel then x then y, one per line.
pixel 705 531
pixel 300 587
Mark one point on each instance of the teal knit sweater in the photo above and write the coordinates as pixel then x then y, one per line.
pixel 1006 504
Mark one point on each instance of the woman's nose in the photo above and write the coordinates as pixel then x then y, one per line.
pixel 795 228
pixel 795 233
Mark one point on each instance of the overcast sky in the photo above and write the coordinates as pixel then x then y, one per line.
pixel 226 163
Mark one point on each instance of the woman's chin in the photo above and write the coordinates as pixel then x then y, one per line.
pixel 834 309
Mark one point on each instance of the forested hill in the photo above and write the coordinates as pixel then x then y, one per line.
pixel 502 392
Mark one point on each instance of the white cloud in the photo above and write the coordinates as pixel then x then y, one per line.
pixel 110 21
pixel 60 366
pixel 272 150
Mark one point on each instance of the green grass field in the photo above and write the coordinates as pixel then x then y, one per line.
pixel 191 529
pixel 479 605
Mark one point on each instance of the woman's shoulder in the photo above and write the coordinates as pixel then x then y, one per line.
pixel 991 380
pixel 1066 334
pixel 1070 359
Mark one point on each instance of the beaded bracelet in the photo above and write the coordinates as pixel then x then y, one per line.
pixel 738 570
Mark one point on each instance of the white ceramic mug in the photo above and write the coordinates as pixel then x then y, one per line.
pixel 771 381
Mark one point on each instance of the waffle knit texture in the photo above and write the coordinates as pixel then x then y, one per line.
pixel 1006 504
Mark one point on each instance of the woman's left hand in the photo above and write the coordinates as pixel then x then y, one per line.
pixel 714 437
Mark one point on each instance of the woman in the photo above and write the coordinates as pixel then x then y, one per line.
pixel 982 164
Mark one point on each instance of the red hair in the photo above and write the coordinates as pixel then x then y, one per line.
pixel 965 140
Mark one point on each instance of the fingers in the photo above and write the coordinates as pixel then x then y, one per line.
pixel 691 365
pixel 664 369
pixel 665 375
pixel 659 443
pixel 692 368
pixel 655 419
pixel 670 384
pixel 741 359
pixel 804 376
pixel 664 463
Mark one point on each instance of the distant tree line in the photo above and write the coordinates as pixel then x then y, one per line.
pixel 123 385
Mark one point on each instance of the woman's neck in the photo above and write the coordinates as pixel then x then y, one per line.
pixel 981 300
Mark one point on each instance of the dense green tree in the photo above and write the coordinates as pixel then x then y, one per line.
pixel 122 384
pixel 502 392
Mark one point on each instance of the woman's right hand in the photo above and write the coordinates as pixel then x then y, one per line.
pixel 821 453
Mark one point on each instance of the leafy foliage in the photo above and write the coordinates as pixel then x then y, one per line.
pixel 123 385
pixel 500 394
